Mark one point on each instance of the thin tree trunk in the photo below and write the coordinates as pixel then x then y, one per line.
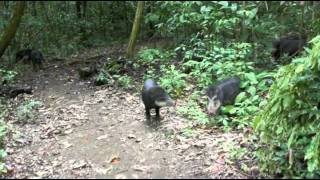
pixel 78 9
pixel 244 32
pixel 12 27
pixel 254 39
pixel 313 11
pixel 45 10
pixel 81 11
pixel 84 10
pixel 34 8
pixel 1 6
pixel 126 17
pixel 135 29
pixel 302 4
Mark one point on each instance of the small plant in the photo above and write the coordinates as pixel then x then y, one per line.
pixel 187 132
pixel 102 79
pixel 7 76
pixel 152 56
pixel 25 112
pixel 3 130
pixel 173 80
pixel 150 74
pixel 193 111
pixel 124 81
pixel 3 154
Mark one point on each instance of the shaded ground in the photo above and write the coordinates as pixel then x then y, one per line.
pixel 83 131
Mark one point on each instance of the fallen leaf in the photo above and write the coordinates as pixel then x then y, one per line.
pixel 66 144
pixel 120 176
pixel 102 170
pixel 102 137
pixel 139 168
pixel 41 174
pixel 115 160
pixel 56 163
pixel 221 159
pixel 80 164
pixel 131 136
pixel 68 131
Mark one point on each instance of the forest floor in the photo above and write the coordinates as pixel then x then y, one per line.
pixel 87 131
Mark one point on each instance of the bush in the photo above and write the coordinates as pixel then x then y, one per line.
pixel 25 113
pixel 173 80
pixel 7 77
pixel 102 79
pixel 149 56
pixel 288 126
pixel 124 81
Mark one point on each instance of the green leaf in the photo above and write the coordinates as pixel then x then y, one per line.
pixel 300 68
pixel 252 90
pixel 240 97
pixel 287 101
pixel 252 78
pixel 223 3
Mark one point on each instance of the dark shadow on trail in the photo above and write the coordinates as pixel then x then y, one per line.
pixel 153 123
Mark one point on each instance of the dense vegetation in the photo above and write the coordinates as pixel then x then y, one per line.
pixel 204 42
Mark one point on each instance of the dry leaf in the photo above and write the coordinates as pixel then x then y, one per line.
pixel 102 137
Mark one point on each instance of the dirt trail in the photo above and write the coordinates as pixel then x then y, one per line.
pixel 83 131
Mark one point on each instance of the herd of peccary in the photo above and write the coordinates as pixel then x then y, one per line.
pixel 225 91
pixel 222 93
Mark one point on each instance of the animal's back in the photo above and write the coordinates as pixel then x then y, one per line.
pixel 146 94
pixel 230 88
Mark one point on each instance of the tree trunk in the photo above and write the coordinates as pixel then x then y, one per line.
pixel 12 27
pixel 244 32
pixel 126 17
pixel 45 11
pixel 34 8
pixel 81 13
pixel 254 39
pixel 1 6
pixel 302 4
pixel 135 29
pixel 84 10
pixel 78 8
pixel 81 7
pixel 313 11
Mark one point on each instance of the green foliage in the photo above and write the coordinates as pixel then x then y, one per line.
pixel 219 63
pixel 25 112
pixel 251 99
pixel 169 76
pixel 55 28
pixel 187 132
pixel 151 73
pixel 3 154
pixel 151 56
pixel 193 110
pixel 3 131
pixel 288 125
pixel 102 79
pixel 172 80
pixel 7 76
pixel 214 40
pixel 124 81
